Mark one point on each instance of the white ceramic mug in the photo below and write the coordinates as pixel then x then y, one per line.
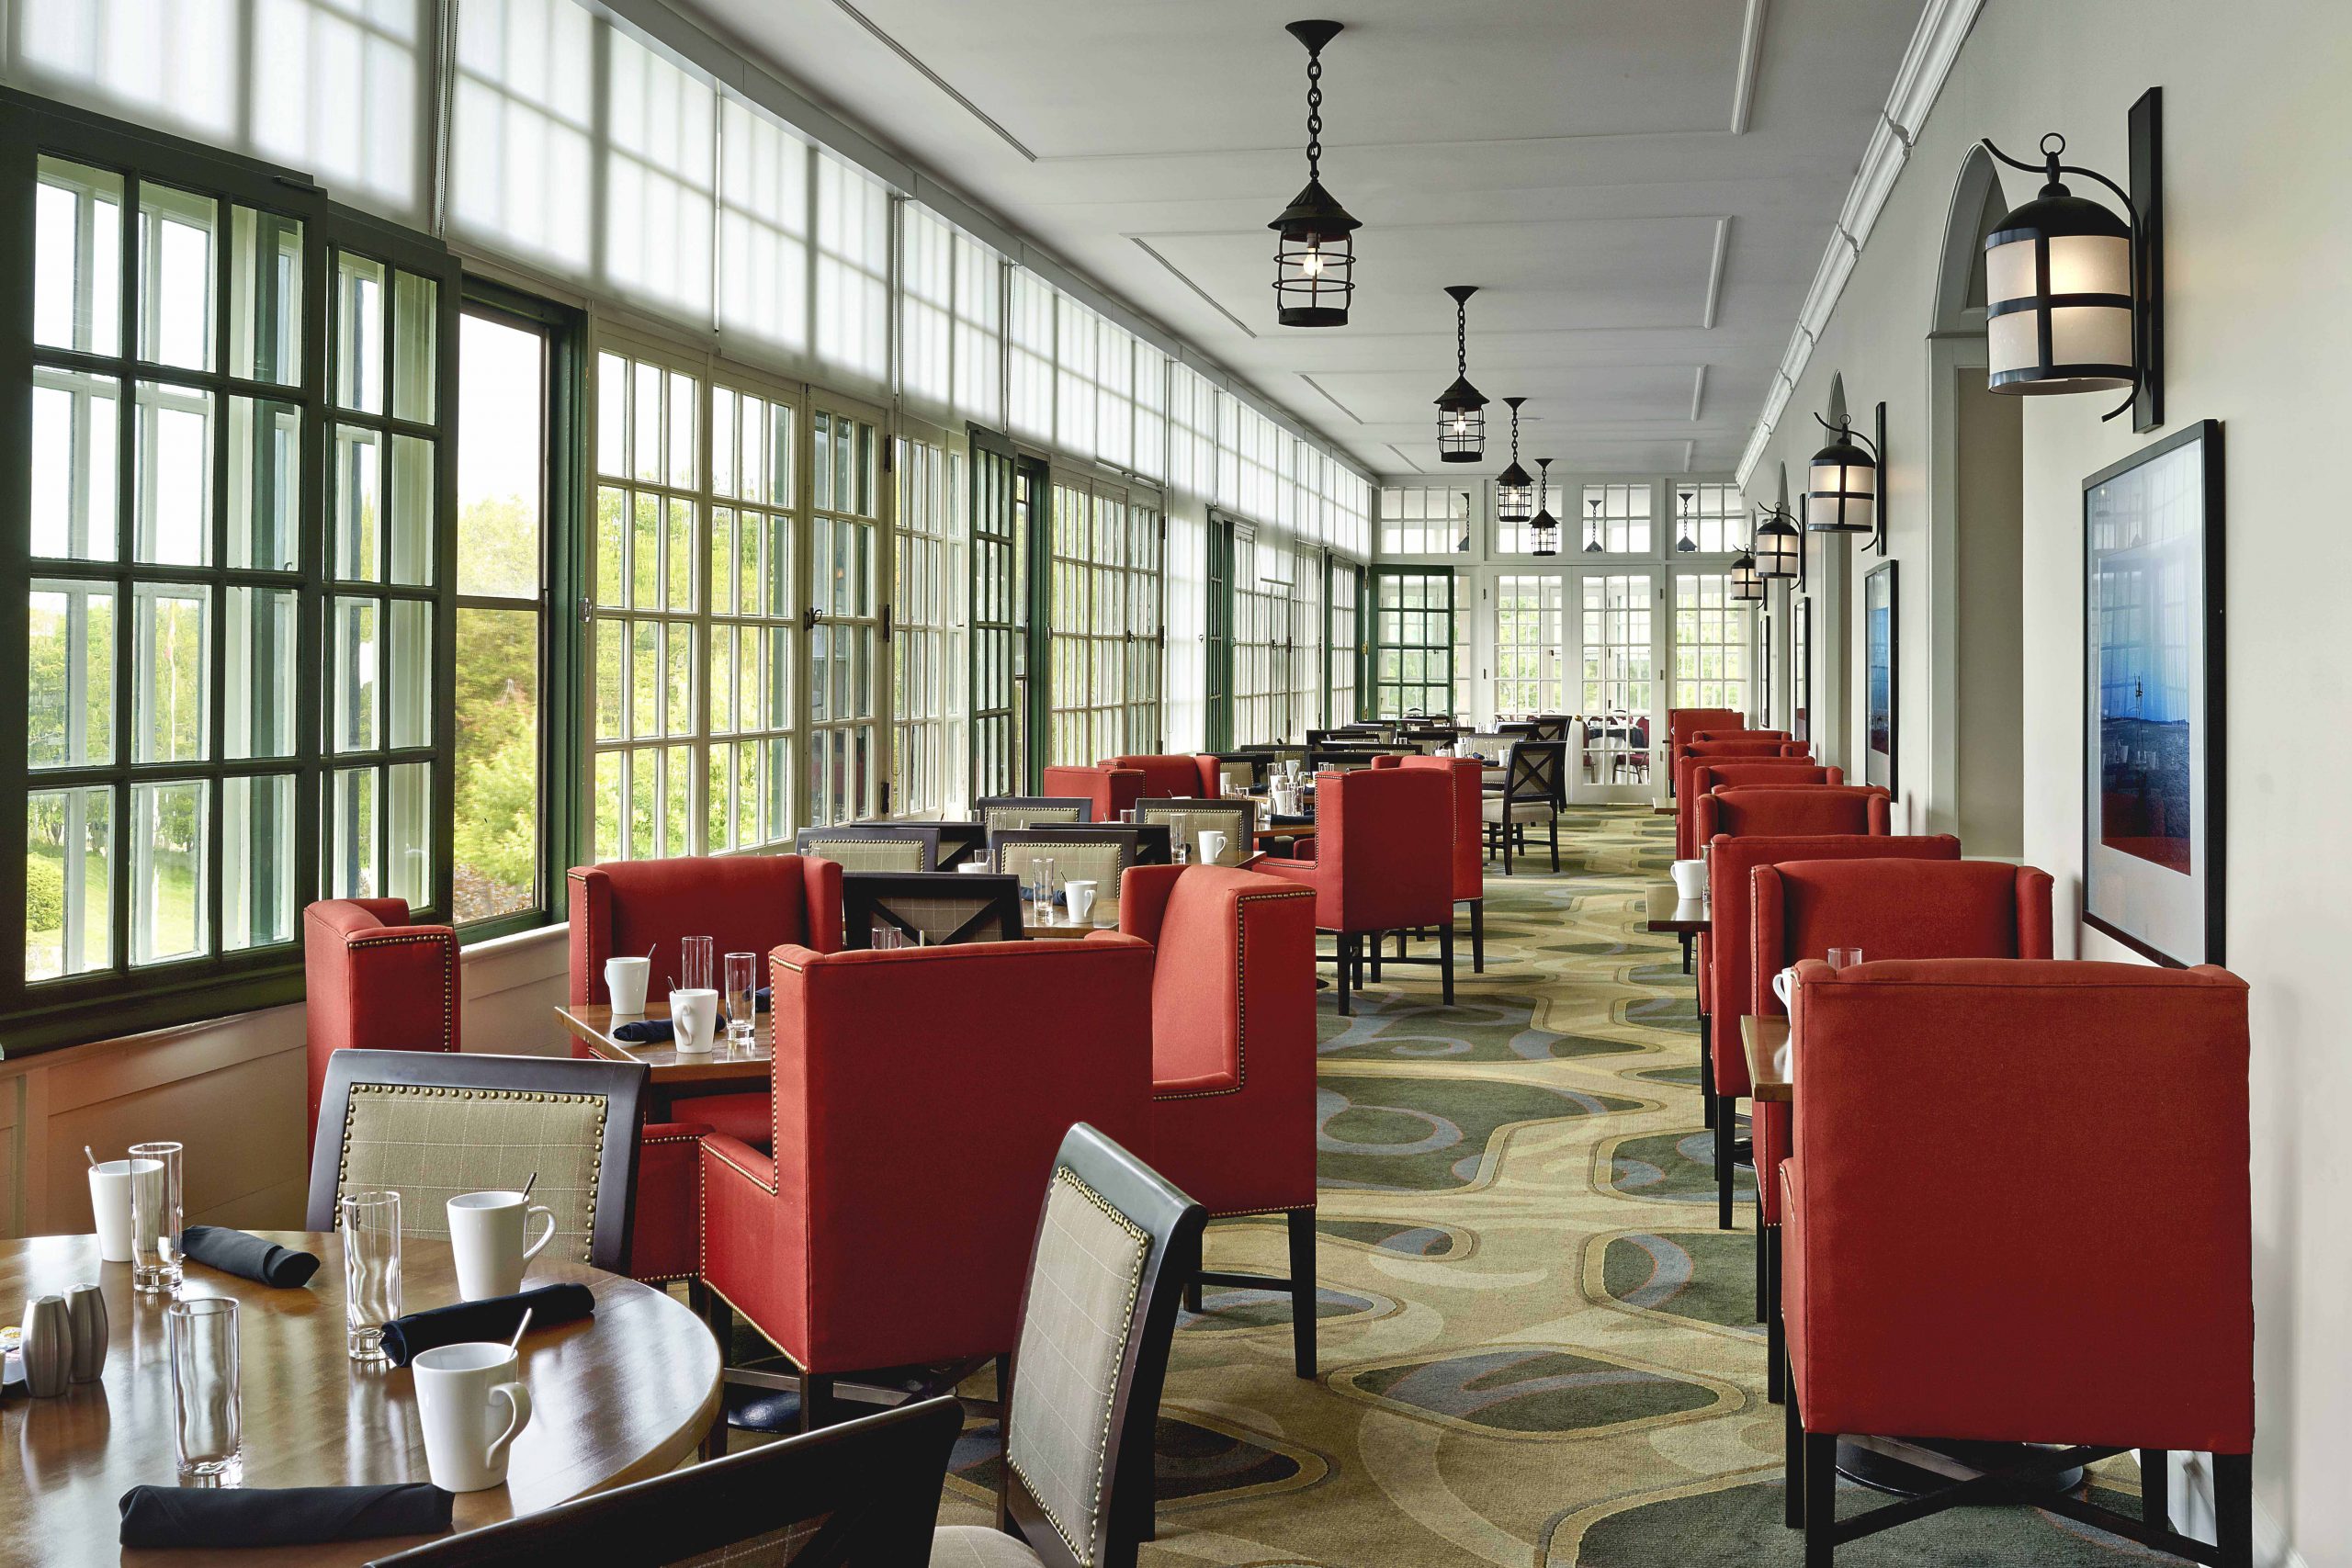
pixel 696 1016
pixel 1080 893
pixel 486 1237
pixel 471 1405
pixel 1784 986
pixel 110 1204
pixel 625 979
pixel 1212 846
pixel 1690 878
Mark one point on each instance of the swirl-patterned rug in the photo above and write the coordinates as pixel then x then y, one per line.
pixel 1537 1349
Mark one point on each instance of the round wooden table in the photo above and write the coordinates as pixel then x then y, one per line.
pixel 616 1397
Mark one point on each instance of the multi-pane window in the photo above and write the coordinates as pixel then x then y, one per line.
pixel 1307 643
pixel 1713 517
pixel 659 177
pixel 752 633
pixel 1413 642
pixel 1423 520
pixel 1186 662
pixel 979 331
pixel 1145 654
pixel 1105 645
pixel 1623 518
pixel 1261 613
pixel 996 619
pixel 1619 692
pixel 846 560
pixel 1151 411
pixel 1029 358
pixel 1346 649
pixel 762 227
pixel 852 300
pixel 1527 643
pixel 524 120
pixel 929 655
pixel 926 296
pixel 1710 643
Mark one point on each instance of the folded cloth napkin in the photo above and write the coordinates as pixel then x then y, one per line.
pixel 248 1257
pixel 660 1030
pixel 492 1319
pixel 251 1518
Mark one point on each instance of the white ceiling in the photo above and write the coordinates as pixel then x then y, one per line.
pixel 1641 188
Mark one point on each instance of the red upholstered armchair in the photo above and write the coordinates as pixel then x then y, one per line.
pixel 1681 723
pixel 1701 774
pixel 1182 777
pixel 373 982
pixel 1736 733
pixel 2059 1252
pixel 1796 809
pixel 1111 788
pixel 1233 1053
pixel 1468 774
pixel 1383 861
pixel 919 1095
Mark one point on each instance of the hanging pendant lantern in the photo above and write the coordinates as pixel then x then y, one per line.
pixel 1544 531
pixel 1315 252
pixel 2058 289
pixel 1780 546
pixel 1462 408
pixel 1686 544
pixel 1842 486
pixel 1514 487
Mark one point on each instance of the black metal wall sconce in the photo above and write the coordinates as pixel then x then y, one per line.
pixel 1845 485
pixel 1780 548
pixel 2073 294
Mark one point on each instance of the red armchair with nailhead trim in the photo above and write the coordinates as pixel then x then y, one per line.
pixel 1701 774
pixel 2019 1211
pixel 1383 861
pixel 1468 774
pixel 373 982
pixel 1233 1052
pixel 919 1095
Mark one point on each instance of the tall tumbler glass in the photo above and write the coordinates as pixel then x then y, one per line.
pixel 1041 891
pixel 207 1415
pixel 742 999
pixel 694 968
pixel 371 1270
pixel 156 1220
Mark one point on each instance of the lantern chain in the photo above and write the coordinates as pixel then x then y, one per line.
pixel 1315 114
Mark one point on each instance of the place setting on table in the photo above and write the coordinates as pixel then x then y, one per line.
pixel 177 1389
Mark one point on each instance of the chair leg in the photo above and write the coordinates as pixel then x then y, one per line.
pixel 1302 1292
pixel 1791 1461
pixel 1477 936
pixel 1446 958
pixel 815 1400
pixel 2155 1478
pixel 1555 840
pixel 1374 943
pixel 1820 1499
pixel 1776 1328
pixel 1761 1281
pixel 1726 1124
pixel 1346 973
pixel 2233 1509
pixel 1192 1295
pixel 1510 831
pixel 1707 1065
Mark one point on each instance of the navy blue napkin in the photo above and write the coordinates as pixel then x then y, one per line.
pixel 248 1257
pixel 251 1518
pixel 471 1322
pixel 660 1030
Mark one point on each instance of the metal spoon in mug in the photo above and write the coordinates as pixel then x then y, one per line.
pixel 514 1345
pixel 91 1157
pixel 528 1185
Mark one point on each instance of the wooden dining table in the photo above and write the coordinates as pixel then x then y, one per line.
pixel 1669 911
pixel 617 1397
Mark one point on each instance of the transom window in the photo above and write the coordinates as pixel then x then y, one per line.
pixel 1625 519
pixel 1717 517
pixel 1423 520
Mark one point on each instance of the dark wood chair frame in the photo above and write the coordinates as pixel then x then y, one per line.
pixel 959 841
pixel 982 806
pixel 1534 773
pixel 864 894
pixel 1123 837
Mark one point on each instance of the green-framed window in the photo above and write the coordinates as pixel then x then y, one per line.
pixel 1413 650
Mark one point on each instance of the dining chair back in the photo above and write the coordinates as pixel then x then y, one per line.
pixel 743 903
pixel 1107 789
pixel 1684 723
pixel 1532 795
pixel 1101 856
pixel 930 908
pixel 1381 859
pixel 1701 774
pixel 1735 732
pixel 1114 1244
pixel 873 847
pixel 960 842
pixel 1341 758
pixel 1174 772
pixel 1793 809
pixel 373 982
pixel 1238 770
pixel 865 1492
pixel 1237 819
pixel 1469 862
pixel 431 1126
pixel 1549 727
pixel 995 811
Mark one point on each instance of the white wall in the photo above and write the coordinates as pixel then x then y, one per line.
pixel 2258 196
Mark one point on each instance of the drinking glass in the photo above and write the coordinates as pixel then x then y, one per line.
pixel 1841 957
pixel 694 964
pixel 742 996
pixel 157 1218
pixel 205 1402
pixel 371 1270
pixel 1041 891
pixel 882 938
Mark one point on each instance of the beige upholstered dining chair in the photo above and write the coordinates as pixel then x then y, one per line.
pixel 995 811
pixel 1099 854
pixel 863 847
pixel 430 1125
pixel 1237 819
pixel 930 907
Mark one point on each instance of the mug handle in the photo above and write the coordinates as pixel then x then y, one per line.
pixel 518 1416
pixel 1781 986
pixel 546 1235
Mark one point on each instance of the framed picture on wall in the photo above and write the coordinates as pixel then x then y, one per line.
pixel 2152 698
pixel 1881 695
pixel 1801 669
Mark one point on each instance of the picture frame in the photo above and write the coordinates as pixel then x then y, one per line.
pixel 1801 669
pixel 2153 733
pixel 1881 679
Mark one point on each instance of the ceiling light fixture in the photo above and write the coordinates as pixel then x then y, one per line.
pixel 1462 408
pixel 1514 487
pixel 1686 544
pixel 1592 545
pixel 1314 249
pixel 1543 532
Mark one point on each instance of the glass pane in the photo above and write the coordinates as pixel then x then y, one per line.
pixel 644 779
pixel 645 554
pixel 609 791
pixel 680 694
pixel 175 475
pixel 722 679
pixel 409 691
pixel 412 532
pixel 77 434
pixel 645 679
pixel 722 561
pixel 259 683
pixel 167 870
pixel 358 472
pixel 351 870
pixel 612 529
pixel 353 627
pixel 682 555
pixel 501 463
pixel 176 234
pixel 257 848
pixel 408 833
pixel 496 868
pixel 677 801
pixel 71 704
pixel 266 297
pixel 69 882
pixel 173 633
pixel 265 484
pixel 612 654
pixel 611 412
pixel 415 329
pixel 77 258
pixel 682 431
pixel 645 422
pixel 359 332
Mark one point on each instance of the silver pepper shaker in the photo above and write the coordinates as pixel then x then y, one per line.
pixel 85 1312
pixel 48 1347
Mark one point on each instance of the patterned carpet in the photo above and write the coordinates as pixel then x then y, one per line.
pixel 1537 1349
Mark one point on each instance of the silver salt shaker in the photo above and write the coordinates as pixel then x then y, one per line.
pixel 48 1347
pixel 85 1312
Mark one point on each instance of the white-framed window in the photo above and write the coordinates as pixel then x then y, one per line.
pixel 1347 587
pixel 1104 699
pixel 1713 518
pixel 1711 661
pixel 1423 520
pixel 1625 519
pixel 1261 614
pixel 1307 642
pixel 1618 688
pixel 1029 358
pixel 1151 411
pixel 1528 628
pixel 931 704
pixel 853 270
pixel 979 332
pixel 926 301
pixel 762 227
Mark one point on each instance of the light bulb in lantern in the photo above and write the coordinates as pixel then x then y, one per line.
pixel 1311 264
